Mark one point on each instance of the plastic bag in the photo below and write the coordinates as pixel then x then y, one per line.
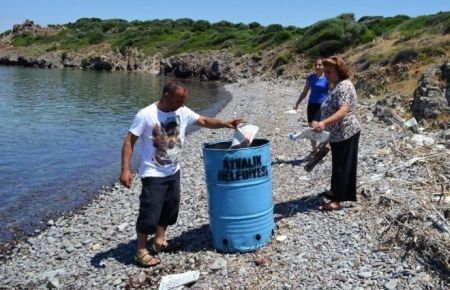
pixel 310 134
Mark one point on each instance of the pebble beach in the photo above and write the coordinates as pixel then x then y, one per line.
pixel 94 247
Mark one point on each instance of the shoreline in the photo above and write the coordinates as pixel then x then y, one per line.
pixel 94 247
pixel 34 227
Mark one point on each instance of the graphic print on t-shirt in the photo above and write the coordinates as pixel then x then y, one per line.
pixel 167 142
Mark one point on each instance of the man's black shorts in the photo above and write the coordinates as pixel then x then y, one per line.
pixel 313 111
pixel 159 203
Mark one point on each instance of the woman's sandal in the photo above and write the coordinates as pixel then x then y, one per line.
pixel 330 206
pixel 144 259
pixel 166 246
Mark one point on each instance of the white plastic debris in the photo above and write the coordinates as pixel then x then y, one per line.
pixel 122 226
pixel 309 133
pixel 243 136
pixel 281 238
pixel 412 124
pixel 178 281
pixel 421 140
pixel 291 111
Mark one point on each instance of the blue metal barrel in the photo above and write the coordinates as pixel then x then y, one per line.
pixel 239 183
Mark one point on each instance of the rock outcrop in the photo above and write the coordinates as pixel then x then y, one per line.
pixel 390 108
pixel 205 67
pixel 29 28
pixel 431 98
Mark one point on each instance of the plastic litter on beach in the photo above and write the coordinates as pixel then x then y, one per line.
pixel 243 136
pixel 291 111
pixel 309 133
pixel 421 140
pixel 281 238
pixel 178 281
pixel 412 124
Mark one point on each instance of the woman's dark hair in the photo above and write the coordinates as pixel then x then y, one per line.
pixel 340 66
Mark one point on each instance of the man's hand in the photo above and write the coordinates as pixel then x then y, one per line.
pixel 319 127
pixel 234 123
pixel 126 178
pixel 127 151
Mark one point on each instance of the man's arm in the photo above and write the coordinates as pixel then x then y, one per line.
pixel 127 151
pixel 214 123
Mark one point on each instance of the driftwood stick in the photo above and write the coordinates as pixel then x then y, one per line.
pixel 388 198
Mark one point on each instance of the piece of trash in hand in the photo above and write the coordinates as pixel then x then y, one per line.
pixel 243 136
pixel 177 281
pixel 310 134
pixel 291 111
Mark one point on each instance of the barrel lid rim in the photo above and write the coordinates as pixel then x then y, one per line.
pixel 235 149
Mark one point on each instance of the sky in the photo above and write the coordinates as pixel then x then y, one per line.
pixel 299 13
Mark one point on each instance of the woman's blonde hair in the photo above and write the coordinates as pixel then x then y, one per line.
pixel 340 66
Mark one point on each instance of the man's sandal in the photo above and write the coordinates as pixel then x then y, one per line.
pixel 166 246
pixel 144 259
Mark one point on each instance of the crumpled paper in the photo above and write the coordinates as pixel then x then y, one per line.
pixel 243 136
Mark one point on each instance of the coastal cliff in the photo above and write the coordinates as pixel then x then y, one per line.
pixel 391 57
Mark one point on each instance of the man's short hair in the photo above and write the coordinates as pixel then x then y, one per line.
pixel 172 86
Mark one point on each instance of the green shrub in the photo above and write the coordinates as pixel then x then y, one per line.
pixel 184 23
pixel 283 58
pixel 241 26
pixel 367 36
pixel 164 24
pixel 95 37
pixel 73 42
pixel 367 19
pixel 201 25
pixel 281 37
pixel 227 43
pixel 86 24
pixel 219 38
pixel 273 28
pixel 379 25
pixel 331 35
pixel 329 48
pixel 436 22
pixel 254 25
pixel 405 56
pixel 263 37
pixel 223 24
pixel 23 40
pixel 439 18
pixel 114 25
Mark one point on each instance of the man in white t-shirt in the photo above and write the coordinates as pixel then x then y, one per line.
pixel 161 127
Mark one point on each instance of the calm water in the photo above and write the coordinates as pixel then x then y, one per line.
pixel 61 133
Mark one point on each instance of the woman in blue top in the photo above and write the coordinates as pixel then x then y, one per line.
pixel 318 84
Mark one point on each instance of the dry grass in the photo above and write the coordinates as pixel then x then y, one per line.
pixel 384 47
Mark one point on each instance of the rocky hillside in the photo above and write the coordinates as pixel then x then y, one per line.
pixel 399 57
